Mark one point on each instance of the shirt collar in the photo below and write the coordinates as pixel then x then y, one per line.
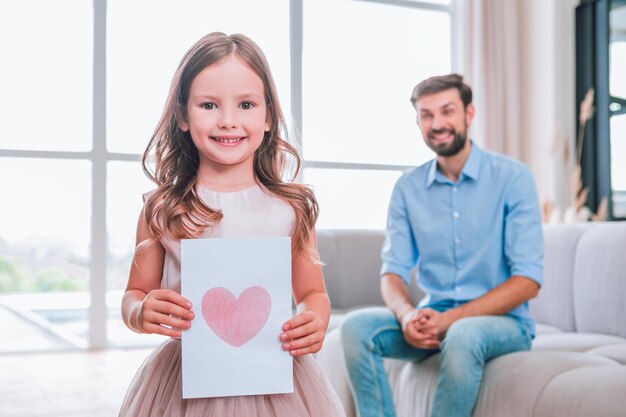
pixel 472 165
pixel 470 169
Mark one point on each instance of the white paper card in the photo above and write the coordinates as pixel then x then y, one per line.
pixel 240 289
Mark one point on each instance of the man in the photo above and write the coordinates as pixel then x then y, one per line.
pixel 470 221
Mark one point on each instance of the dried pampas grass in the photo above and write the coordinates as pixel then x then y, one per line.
pixel 576 211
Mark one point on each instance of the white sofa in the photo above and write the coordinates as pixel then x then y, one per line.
pixel 577 364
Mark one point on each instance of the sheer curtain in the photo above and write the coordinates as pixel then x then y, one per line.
pixel 518 56
pixel 492 63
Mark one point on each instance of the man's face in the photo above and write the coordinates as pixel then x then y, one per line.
pixel 444 121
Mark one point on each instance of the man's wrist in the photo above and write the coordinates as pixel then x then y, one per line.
pixel 450 316
pixel 405 314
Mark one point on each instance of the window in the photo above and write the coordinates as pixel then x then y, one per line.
pixel 617 108
pixel 47 75
pixel 86 92
pixel 600 64
pixel 140 65
pixel 359 130
pixel 45 173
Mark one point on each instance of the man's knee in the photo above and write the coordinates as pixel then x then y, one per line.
pixel 359 326
pixel 465 335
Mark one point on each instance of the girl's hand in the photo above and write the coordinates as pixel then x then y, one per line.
pixel 303 334
pixel 164 312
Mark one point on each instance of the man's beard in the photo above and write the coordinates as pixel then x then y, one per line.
pixel 458 142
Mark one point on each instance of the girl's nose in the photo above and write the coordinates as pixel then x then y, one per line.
pixel 227 119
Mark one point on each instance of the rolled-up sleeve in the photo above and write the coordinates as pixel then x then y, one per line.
pixel 399 253
pixel 523 232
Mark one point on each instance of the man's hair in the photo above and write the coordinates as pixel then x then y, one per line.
pixel 439 83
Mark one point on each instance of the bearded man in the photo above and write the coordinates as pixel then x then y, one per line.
pixel 469 220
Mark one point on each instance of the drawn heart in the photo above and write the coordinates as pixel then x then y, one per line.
pixel 236 321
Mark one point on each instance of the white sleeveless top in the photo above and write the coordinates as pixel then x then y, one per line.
pixel 251 212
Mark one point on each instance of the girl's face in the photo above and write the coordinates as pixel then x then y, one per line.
pixel 226 115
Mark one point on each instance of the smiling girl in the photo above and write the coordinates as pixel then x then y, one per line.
pixel 219 163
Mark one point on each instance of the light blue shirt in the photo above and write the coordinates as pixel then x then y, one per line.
pixel 465 237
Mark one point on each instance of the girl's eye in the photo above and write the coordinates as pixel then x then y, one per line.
pixel 208 106
pixel 246 105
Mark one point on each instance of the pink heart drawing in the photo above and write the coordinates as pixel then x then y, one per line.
pixel 236 321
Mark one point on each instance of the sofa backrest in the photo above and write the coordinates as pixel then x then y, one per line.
pixel 555 303
pixel 600 280
pixel 584 286
pixel 352 267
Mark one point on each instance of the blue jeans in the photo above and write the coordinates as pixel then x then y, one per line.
pixel 371 334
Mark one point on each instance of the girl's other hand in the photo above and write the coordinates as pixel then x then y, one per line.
pixel 303 334
pixel 165 312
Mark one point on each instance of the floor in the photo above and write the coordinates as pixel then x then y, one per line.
pixel 66 384
pixel 54 378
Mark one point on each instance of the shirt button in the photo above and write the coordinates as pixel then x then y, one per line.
pixel 454 189
pixel 457 240
pixel 456 214
pixel 457 289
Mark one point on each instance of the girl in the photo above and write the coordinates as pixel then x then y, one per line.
pixel 219 164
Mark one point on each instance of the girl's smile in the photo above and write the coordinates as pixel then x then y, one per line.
pixel 228 141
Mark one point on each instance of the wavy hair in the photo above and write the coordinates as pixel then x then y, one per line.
pixel 175 208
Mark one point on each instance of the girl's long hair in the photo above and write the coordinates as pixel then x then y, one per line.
pixel 175 209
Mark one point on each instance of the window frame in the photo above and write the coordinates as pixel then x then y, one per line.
pixel 592 71
pixel 297 40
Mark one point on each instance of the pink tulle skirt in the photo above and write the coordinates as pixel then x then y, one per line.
pixel 156 391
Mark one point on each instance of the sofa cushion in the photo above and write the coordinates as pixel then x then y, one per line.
pixel 541 328
pixel 583 392
pixel 351 266
pixel 333 364
pixel 414 387
pixel 600 280
pixel 555 303
pixel 575 342
pixel 513 383
pixel 617 352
